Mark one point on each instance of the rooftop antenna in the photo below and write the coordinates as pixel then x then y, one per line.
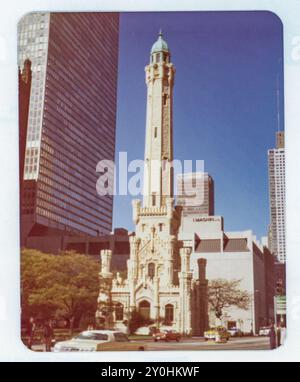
pixel 278 111
pixel 277 99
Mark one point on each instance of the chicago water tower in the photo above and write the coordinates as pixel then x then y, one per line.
pixel 159 283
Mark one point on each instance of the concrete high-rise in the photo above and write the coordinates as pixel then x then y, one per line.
pixel 71 120
pixel 276 162
pixel 195 193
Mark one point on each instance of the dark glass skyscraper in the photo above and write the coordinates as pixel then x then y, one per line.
pixel 71 120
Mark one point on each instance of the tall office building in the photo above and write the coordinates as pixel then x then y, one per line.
pixel 71 120
pixel 25 75
pixel 195 192
pixel 276 159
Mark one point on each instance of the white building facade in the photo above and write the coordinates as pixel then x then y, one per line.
pixel 276 163
pixel 231 256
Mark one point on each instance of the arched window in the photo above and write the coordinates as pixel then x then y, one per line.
pixel 165 99
pixel 144 309
pixel 119 312
pixel 169 313
pixel 151 270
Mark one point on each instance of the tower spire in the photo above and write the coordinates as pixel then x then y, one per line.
pixel 158 175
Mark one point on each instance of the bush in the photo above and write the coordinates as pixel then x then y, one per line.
pixel 137 320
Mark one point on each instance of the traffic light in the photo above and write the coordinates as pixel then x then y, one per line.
pixel 279 288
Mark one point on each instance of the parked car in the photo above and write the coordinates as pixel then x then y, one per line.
pixel 143 331
pixel 98 340
pixel 166 335
pixel 264 331
pixel 218 332
pixel 235 332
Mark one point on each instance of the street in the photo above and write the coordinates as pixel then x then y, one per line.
pixel 247 343
pixel 244 343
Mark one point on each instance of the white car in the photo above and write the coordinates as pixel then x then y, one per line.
pixel 142 331
pixel 97 340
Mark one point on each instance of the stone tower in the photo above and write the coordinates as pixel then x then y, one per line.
pixel 158 175
pixel 159 282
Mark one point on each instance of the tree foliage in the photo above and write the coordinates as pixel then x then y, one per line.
pixel 64 285
pixel 223 294
pixel 137 320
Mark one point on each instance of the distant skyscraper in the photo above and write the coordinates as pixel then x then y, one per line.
pixel 276 158
pixel 195 192
pixel 71 122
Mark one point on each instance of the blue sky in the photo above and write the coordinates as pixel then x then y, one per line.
pixel 228 67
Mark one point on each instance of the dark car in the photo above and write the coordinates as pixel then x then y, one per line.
pixel 166 335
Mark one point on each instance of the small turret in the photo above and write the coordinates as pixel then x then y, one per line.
pixel 185 254
pixel 201 269
pixel 106 256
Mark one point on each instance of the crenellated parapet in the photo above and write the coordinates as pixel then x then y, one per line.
pixel 153 211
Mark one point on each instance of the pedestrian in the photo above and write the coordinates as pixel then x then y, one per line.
pixel 30 331
pixel 282 333
pixel 272 335
pixel 91 326
pixel 278 335
pixel 48 335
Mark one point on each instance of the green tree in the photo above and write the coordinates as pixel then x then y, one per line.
pixel 137 320
pixel 64 285
pixel 223 294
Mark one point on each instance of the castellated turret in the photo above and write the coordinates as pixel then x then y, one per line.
pixel 106 255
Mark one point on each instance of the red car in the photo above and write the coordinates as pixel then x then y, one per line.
pixel 166 335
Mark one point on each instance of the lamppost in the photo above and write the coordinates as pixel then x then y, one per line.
pixel 253 309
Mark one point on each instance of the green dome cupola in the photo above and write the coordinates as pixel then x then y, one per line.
pixel 160 45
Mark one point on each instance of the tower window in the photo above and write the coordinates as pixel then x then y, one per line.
pixel 151 270
pixel 165 99
pixel 119 312
pixel 169 313
pixel 165 57
pixel 144 309
pixel 153 200
pixel 155 132
pixel 157 58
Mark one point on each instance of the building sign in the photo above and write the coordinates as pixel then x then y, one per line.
pixel 280 304
pixel 206 219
